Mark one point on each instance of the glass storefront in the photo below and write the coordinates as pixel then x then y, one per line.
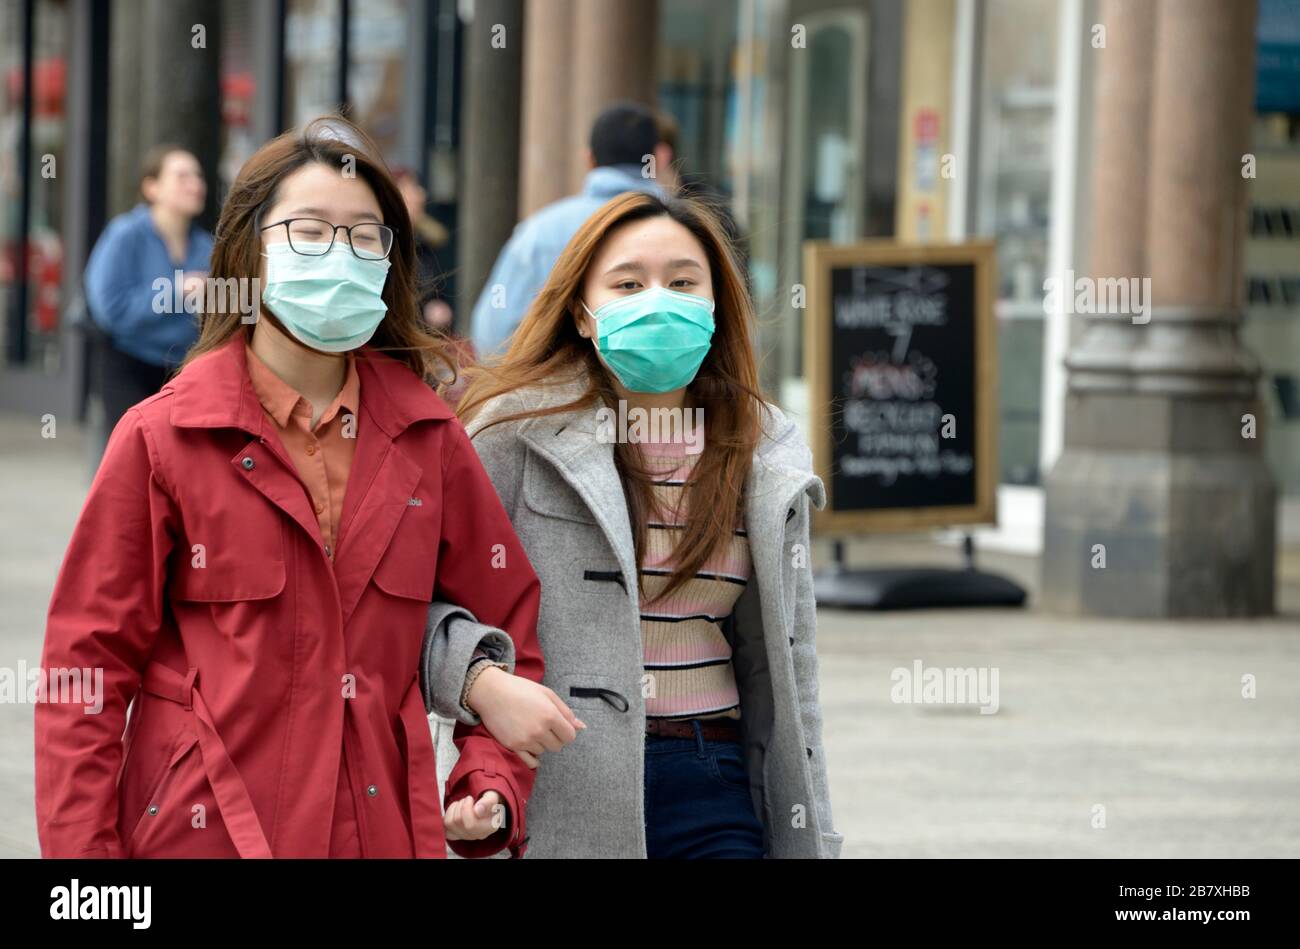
pixel 382 62
pixel 1272 328
pixel 825 142
pixel 238 90
pixel 11 189
pixel 379 36
pixel 30 228
pixel 801 143
pixel 1013 199
pixel 312 33
pixel 781 136
pixel 696 85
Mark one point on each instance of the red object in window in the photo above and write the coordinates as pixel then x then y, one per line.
pixel 925 127
pixel 46 269
pixel 44 277
pixel 49 84
pixel 237 91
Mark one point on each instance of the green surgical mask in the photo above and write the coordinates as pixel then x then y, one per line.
pixel 331 302
pixel 655 340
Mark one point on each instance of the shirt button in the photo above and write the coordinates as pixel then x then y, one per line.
pixel 372 790
pixel 320 508
pixel 153 810
pixel 247 463
pixel 311 449
pixel 328 552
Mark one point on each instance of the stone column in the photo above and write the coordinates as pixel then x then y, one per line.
pixel 614 47
pixel 124 143
pixel 489 143
pixel 1122 142
pixel 1157 480
pixel 546 152
pixel 164 88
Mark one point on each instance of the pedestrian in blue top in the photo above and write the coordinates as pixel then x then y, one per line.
pixel 621 138
pixel 132 287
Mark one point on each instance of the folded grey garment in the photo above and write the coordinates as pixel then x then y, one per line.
pixel 451 635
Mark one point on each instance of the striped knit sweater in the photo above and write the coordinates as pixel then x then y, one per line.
pixel 687 657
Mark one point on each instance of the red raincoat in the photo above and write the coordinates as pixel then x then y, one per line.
pixel 197 581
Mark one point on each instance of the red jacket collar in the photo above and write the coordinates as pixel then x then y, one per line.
pixel 215 391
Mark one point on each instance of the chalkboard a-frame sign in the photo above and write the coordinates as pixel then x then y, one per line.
pixel 901 364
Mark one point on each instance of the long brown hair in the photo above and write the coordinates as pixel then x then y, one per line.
pixel 547 348
pixel 333 141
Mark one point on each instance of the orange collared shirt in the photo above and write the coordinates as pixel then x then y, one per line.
pixel 323 455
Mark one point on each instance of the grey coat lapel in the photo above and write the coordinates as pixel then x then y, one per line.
pixel 568 442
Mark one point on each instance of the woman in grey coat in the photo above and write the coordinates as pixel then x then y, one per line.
pixel 677 616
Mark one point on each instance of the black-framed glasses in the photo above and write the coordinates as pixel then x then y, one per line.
pixel 313 237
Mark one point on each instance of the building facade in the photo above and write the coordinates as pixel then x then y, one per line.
pixel 842 120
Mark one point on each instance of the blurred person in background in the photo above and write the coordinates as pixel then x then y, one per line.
pixel 430 284
pixel 676 180
pixel 621 137
pixel 135 347
pixel 430 235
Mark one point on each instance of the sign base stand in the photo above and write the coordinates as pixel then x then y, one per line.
pixel 903 588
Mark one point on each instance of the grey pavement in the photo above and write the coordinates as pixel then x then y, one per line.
pixel 1111 739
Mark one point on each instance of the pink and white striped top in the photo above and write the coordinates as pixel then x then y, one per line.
pixel 687 656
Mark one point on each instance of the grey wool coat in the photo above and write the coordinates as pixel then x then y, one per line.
pixel 558 483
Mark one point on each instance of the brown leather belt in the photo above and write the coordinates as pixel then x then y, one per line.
pixel 712 729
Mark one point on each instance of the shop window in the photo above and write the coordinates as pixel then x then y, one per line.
pixel 1016 116
pixel 32 306
pixel 312 33
pixel 238 90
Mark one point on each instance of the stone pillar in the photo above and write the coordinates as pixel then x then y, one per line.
pixel 614 47
pixel 546 153
pixel 165 88
pixel 489 143
pixel 1157 476
pixel 1121 144
pixel 124 144
pixel 181 94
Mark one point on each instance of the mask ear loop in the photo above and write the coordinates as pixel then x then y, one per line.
pixel 589 313
pixel 257 229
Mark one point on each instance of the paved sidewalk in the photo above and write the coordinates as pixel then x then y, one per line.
pixel 1144 720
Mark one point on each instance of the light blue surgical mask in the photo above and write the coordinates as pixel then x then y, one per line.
pixel 654 340
pixel 331 302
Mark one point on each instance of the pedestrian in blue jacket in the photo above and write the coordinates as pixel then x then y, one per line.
pixel 621 138
pixel 144 262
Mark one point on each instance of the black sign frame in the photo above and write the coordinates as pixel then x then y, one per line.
pixel 821 260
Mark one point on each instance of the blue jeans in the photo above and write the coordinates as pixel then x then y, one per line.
pixel 697 800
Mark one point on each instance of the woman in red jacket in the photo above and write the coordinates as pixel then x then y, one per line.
pixel 255 560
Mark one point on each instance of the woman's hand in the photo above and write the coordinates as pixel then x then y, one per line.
pixel 523 715
pixel 468 819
